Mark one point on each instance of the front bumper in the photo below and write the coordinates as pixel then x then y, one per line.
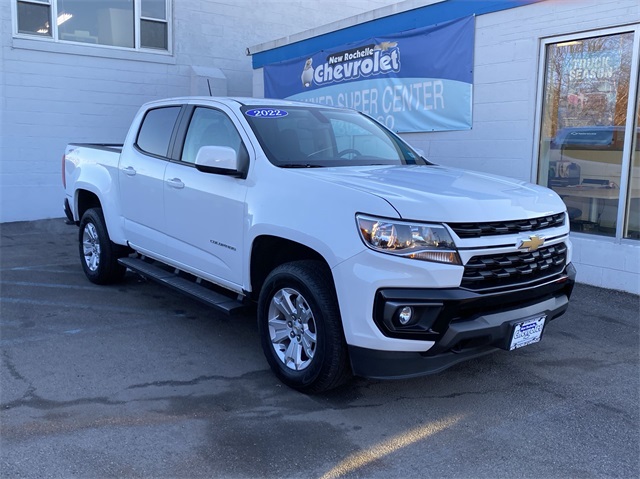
pixel 462 324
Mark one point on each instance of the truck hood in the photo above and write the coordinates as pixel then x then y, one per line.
pixel 435 193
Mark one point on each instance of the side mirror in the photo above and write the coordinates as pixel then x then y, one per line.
pixel 218 159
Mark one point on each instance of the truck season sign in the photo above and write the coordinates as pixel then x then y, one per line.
pixel 414 81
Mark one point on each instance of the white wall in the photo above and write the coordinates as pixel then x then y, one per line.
pixel 605 263
pixel 52 94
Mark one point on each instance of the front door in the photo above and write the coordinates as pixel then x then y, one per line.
pixel 204 212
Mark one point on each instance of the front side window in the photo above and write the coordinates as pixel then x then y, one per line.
pixel 584 119
pixel 118 23
pixel 209 127
pixel 317 137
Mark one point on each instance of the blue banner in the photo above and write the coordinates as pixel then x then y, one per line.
pixel 415 81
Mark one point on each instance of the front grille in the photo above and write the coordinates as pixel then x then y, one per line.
pixel 475 230
pixel 511 269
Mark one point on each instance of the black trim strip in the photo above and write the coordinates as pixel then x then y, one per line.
pixel 100 146
pixel 180 132
pixel 505 227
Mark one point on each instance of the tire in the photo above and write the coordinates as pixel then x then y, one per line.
pixel 300 327
pixel 98 254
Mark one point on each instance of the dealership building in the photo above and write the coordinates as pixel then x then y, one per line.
pixel 544 91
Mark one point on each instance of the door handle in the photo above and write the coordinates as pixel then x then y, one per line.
pixel 175 183
pixel 129 171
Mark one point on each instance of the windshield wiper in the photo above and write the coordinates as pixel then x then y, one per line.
pixel 299 165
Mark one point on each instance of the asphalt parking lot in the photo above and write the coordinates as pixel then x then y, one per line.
pixel 135 380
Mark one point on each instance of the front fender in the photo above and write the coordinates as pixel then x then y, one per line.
pixel 318 214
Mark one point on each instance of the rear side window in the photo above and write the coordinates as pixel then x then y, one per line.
pixel 155 132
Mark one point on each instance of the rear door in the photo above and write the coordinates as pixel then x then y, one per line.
pixel 204 212
pixel 141 178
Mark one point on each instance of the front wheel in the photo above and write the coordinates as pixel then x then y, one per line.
pixel 300 327
pixel 98 254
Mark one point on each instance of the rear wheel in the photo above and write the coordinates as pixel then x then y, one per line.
pixel 98 254
pixel 300 327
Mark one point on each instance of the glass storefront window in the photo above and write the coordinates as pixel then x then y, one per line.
pixel 586 94
pixel 632 225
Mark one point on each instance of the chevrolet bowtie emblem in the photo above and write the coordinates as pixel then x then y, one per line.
pixel 531 244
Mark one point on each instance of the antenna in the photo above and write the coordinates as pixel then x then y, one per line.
pixel 209 85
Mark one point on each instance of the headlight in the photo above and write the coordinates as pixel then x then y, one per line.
pixel 428 242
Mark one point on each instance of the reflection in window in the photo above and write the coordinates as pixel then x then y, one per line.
pixel 583 124
pixel 352 137
pixel 632 226
pixel 34 18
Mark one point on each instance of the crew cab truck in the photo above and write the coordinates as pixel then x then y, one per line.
pixel 362 256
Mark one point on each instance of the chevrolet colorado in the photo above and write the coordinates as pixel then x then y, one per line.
pixel 362 257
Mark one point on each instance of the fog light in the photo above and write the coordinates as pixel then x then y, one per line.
pixel 405 315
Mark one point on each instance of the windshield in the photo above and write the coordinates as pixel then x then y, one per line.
pixel 298 137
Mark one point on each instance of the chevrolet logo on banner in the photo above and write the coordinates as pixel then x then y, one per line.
pixel 531 244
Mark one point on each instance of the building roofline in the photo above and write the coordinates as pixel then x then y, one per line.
pixel 407 15
pixel 342 24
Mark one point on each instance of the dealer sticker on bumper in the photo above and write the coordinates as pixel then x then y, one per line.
pixel 527 332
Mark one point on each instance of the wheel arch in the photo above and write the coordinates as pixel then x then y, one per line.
pixel 88 196
pixel 85 200
pixel 268 252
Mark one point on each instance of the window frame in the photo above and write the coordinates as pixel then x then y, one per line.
pixel 634 80
pixel 137 17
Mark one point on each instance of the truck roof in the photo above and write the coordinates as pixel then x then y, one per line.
pixel 234 101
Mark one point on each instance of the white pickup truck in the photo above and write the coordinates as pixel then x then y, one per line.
pixel 363 257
